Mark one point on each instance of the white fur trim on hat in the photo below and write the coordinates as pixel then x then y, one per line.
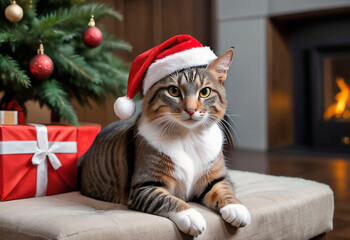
pixel 124 108
pixel 163 67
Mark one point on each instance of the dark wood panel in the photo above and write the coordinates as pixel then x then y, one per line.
pixel 177 18
pixel 205 22
pixel 138 20
pixel 148 23
pixel 280 90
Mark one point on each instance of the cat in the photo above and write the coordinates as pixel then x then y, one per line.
pixel 172 154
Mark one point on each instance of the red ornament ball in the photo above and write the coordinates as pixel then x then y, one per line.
pixel 41 66
pixel 92 37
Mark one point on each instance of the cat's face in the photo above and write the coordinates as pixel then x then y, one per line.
pixel 191 98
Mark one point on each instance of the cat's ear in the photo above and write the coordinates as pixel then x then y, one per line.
pixel 220 65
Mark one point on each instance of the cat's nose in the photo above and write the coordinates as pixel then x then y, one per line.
pixel 190 111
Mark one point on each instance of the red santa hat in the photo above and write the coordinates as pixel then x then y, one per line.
pixel 177 53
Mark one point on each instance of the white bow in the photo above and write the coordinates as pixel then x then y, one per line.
pixel 43 148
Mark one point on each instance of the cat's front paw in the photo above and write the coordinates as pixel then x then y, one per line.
pixel 189 221
pixel 236 214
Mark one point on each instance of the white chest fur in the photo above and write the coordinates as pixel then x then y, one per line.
pixel 193 154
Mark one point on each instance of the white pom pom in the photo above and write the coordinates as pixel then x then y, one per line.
pixel 124 108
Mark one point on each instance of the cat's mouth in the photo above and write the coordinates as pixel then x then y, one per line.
pixel 191 120
pixel 192 116
pixel 190 123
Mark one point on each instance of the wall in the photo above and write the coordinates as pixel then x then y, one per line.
pixel 244 24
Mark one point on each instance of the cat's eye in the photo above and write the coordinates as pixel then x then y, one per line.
pixel 174 91
pixel 205 92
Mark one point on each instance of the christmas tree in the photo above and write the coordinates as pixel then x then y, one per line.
pixel 79 71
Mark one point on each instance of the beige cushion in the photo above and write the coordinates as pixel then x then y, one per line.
pixel 281 208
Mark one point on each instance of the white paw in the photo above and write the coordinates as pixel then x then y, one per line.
pixel 189 221
pixel 235 214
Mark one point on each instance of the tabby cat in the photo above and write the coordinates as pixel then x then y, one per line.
pixel 172 154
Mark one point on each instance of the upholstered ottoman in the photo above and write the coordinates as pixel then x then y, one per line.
pixel 280 207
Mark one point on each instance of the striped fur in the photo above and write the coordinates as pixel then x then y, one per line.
pixel 108 165
pixel 171 155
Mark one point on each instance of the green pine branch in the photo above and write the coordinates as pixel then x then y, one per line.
pixel 116 75
pixel 76 13
pixel 8 35
pixel 116 79
pixel 14 72
pixel 110 43
pixel 13 36
pixel 56 98
pixel 67 61
pixel 100 11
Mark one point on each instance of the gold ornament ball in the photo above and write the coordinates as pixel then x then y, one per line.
pixel 14 13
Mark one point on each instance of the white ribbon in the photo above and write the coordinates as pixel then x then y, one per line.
pixel 41 148
pixel 2 117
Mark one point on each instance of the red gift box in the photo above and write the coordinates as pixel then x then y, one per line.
pixel 38 160
pixel 13 105
pixel 86 136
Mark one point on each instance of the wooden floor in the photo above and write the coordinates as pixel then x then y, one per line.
pixel 332 170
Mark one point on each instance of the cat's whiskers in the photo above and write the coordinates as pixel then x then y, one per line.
pixel 230 116
pixel 231 113
pixel 165 123
pixel 207 123
pixel 225 127
pixel 162 124
pixel 170 125
pixel 231 129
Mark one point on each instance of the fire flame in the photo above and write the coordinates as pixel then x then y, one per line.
pixel 338 109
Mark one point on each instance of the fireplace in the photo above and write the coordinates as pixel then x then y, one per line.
pixel 270 80
pixel 321 82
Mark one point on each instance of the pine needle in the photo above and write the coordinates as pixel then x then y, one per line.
pixel 14 72
pixel 76 13
pixel 56 97
pixel 8 35
pixel 70 62
pixel 121 75
pixel 14 34
pixel 110 43
pixel 100 11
